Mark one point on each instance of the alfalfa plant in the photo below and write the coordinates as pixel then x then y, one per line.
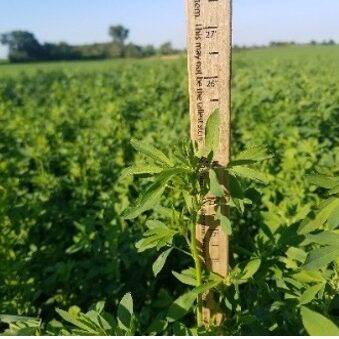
pixel 180 171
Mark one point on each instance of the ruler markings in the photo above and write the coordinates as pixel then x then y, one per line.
pixel 211 27
pixel 209 35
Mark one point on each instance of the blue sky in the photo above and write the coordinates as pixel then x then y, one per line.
pixel 157 21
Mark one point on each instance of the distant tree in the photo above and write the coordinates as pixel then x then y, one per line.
pixel 23 46
pixel 281 43
pixel 313 42
pixel 166 48
pixel 328 42
pixel 92 51
pixel 61 51
pixel 118 33
pixel 114 50
pixel 148 50
pixel 133 51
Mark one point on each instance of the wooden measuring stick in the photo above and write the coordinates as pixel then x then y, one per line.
pixel 209 49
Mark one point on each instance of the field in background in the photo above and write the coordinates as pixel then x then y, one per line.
pixel 294 52
pixel 65 135
pixel 264 54
pixel 7 69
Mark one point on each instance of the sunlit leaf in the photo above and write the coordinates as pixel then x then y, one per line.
pixel 318 325
pixel 321 257
pixel 125 312
pixel 151 152
pixel 160 262
pixel 310 294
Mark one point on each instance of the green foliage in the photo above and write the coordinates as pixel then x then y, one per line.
pixel 24 47
pixel 157 236
pixel 250 269
pixel 187 276
pixel 74 322
pixel 185 173
pixel 138 170
pixel 19 325
pixel 211 134
pixel 61 196
pixel 151 152
pixel 125 314
pixel 184 303
pixel 64 149
pixel 96 321
pixel 118 33
pixel 160 262
pixel 318 325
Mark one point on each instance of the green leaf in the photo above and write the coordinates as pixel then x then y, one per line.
pixel 157 325
pixel 125 312
pixel 324 212
pixel 211 134
pixel 151 152
pixel 309 277
pixel 250 269
pixel 187 276
pixel 99 307
pixel 152 224
pixel 137 170
pixel 73 318
pixel 248 173
pixel 321 257
pixel 310 294
pixel 23 328
pixel 167 174
pixel 146 202
pixel 324 238
pixel 167 212
pixel 335 190
pixel 215 187
pixel 296 254
pixel 152 195
pixel 322 181
pixel 96 321
pixel 302 212
pixel 318 325
pixel 237 194
pixel 333 220
pixel 188 200
pixel 155 237
pixel 160 262
pixel 225 223
pixel 183 304
pixel 250 156
pixel 8 319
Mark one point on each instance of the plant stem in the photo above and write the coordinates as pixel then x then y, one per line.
pixel 198 274
pixel 182 251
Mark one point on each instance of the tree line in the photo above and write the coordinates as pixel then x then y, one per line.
pixel 24 47
pixel 285 44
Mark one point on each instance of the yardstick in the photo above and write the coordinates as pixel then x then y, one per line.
pixel 209 50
